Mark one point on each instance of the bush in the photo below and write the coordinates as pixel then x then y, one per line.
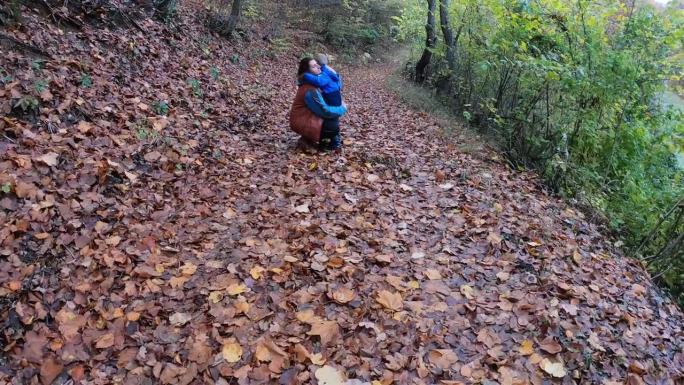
pixel 573 90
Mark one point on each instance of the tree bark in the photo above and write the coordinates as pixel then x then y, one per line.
pixel 430 41
pixel 234 17
pixel 448 33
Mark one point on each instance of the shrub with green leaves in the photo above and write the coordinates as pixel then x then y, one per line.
pixel 573 89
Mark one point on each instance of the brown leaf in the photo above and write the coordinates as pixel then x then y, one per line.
pixel 550 345
pixel 50 158
pixel 389 300
pixel 49 370
pixel 343 295
pixel 443 358
pixel 105 341
pixel 180 319
pixel 328 331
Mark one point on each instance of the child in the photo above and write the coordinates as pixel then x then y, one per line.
pixel 330 84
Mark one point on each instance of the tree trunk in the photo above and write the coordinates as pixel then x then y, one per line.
pixel 234 17
pixel 430 41
pixel 448 33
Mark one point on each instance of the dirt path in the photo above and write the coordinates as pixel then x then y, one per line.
pixel 205 247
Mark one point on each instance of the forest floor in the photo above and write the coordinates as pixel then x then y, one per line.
pixel 160 224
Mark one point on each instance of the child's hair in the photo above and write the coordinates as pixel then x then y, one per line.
pixel 303 66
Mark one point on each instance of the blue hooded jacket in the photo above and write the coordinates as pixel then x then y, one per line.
pixel 315 102
pixel 328 81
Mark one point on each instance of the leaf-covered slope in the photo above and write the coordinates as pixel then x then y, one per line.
pixel 160 225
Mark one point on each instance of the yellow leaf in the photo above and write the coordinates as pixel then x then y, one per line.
pixel 556 369
pixel 242 307
pixel 317 359
pixel 188 269
pixel 414 284
pixel 256 272
pixel 467 291
pixel 392 301
pixel 231 352
pixel 215 296
pixel 262 353
pixel 236 288
pixel 526 348
pixel 327 375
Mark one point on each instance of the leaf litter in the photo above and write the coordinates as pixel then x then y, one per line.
pixel 202 246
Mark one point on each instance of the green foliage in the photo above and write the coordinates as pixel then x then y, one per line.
pixel 40 85
pixel 573 89
pixel 196 87
pixel 6 188
pixel 28 104
pixel 86 81
pixel 166 9
pixel 37 64
pixel 355 24
pixel 161 107
pixel 215 73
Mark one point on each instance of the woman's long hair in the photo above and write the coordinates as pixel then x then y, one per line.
pixel 303 66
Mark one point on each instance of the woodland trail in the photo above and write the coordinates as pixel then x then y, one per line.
pixel 216 251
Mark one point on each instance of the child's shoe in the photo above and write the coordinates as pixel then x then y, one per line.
pixel 336 143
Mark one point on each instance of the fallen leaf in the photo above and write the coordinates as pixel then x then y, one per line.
pixel 328 375
pixel 304 208
pixel 256 272
pixel 555 369
pixel 231 352
pixel 49 370
pixel 550 346
pixel 180 319
pixel 50 158
pixel 215 296
pixel 526 348
pixel 105 341
pixel 467 291
pixel 236 288
pixel 433 274
pixel 343 295
pixel 389 300
pixel 188 268
pixel 328 331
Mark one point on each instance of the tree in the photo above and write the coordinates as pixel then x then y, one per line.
pixel 430 42
pixel 234 17
pixel 449 39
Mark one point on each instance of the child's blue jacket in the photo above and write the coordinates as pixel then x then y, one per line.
pixel 328 81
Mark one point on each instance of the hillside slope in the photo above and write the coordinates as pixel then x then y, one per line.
pixel 159 224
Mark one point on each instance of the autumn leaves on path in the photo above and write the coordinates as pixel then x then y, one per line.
pixel 159 224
